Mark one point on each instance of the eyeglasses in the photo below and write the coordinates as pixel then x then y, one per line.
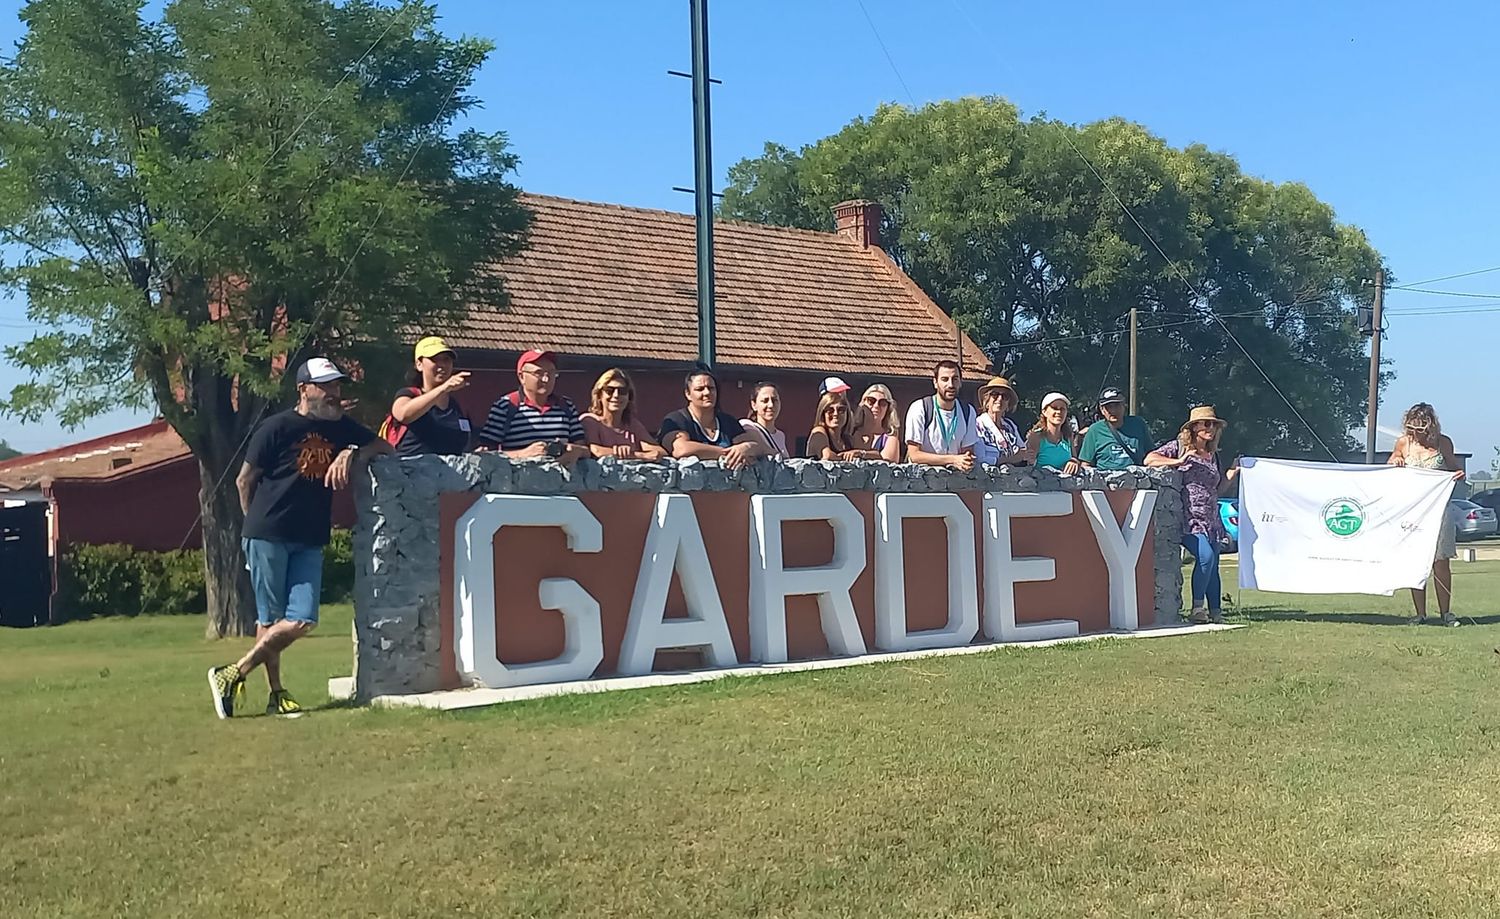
pixel 834 410
pixel 876 400
pixel 541 374
pixel 616 391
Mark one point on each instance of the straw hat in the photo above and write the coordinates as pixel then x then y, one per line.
pixel 1204 413
pixel 997 383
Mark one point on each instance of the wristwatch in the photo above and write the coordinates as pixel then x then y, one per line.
pixel 556 448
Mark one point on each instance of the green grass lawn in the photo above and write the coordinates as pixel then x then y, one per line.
pixel 1325 761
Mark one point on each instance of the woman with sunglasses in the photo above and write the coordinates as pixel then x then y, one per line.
pixel 611 426
pixel 878 425
pixel 1000 440
pixel 833 436
pixel 1423 445
pixel 765 408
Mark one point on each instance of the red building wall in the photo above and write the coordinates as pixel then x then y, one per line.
pixel 152 509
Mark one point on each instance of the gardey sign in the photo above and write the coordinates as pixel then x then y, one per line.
pixel 557 588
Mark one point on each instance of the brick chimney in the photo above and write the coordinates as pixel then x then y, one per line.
pixel 859 220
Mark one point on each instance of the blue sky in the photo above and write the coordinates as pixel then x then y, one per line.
pixel 1387 113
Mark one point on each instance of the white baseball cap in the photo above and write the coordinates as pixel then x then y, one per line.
pixel 832 384
pixel 319 370
pixel 1052 397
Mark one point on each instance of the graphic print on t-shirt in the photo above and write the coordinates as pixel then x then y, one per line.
pixel 314 456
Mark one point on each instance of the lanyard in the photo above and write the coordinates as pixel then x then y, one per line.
pixel 946 431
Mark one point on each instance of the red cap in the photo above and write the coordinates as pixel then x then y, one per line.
pixel 532 356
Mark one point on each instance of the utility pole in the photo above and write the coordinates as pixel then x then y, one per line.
pixel 703 184
pixel 1133 315
pixel 1375 324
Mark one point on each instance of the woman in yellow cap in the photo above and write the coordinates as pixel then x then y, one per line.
pixel 1196 453
pixel 425 418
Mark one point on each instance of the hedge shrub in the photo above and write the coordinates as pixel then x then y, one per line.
pixel 120 580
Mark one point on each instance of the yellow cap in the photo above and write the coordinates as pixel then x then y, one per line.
pixel 431 346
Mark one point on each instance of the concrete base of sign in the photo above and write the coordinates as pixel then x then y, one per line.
pixel 340 688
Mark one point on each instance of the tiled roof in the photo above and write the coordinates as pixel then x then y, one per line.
pixel 619 282
pixel 109 457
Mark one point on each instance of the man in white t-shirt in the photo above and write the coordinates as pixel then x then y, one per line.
pixel 940 430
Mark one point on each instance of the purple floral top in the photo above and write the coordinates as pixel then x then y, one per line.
pixel 1201 479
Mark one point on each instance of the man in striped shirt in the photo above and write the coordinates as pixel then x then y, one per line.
pixel 533 422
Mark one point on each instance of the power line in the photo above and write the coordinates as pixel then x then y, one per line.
pixel 1450 277
pixel 1446 293
pixel 1182 276
pixel 888 58
pixel 1423 314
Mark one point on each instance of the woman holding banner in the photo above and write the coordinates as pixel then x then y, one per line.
pixel 1195 453
pixel 1423 445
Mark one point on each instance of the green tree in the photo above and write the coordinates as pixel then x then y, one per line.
pixel 204 200
pixel 7 451
pixel 1007 227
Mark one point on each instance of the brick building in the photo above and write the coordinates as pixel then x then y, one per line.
pixel 603 286
pixel 610 286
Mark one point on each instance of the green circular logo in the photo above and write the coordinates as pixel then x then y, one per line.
pixel 1344 517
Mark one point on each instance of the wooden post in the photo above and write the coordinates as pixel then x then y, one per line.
pixel 1375 322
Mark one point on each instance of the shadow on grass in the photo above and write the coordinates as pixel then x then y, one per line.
pixel 334 705
pixel 1249 614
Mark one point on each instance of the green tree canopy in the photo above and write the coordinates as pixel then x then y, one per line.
pixel 1007 227
pixel 7 451
pixel 203 200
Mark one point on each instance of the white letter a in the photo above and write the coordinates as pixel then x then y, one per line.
pixel 675 543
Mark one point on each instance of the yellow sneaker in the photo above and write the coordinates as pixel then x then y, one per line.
pixel 283 705
pixel 227 687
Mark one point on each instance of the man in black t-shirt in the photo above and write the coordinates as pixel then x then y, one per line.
pixel 296 459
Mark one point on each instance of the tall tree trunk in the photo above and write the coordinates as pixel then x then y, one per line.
pixel 231 604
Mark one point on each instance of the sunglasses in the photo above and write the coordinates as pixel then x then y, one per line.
pixel 617 390
pixel 834 410
pixel 876 400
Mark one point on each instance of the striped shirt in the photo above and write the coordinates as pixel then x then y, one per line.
pixel 514 423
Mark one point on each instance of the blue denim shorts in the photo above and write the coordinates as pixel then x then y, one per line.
pixel 287 578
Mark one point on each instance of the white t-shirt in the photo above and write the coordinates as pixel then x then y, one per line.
pixel 941 431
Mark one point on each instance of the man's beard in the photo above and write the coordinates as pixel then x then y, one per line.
pixel 325 409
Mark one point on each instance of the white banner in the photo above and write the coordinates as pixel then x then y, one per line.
pixel 1328 528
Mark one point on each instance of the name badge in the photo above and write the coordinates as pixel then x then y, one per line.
pixel 463 425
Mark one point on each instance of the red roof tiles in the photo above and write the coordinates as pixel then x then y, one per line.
pixel 619 282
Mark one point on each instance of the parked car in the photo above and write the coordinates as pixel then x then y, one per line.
pixel 1489 498
pixel 1475 521
pixel 1229 515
